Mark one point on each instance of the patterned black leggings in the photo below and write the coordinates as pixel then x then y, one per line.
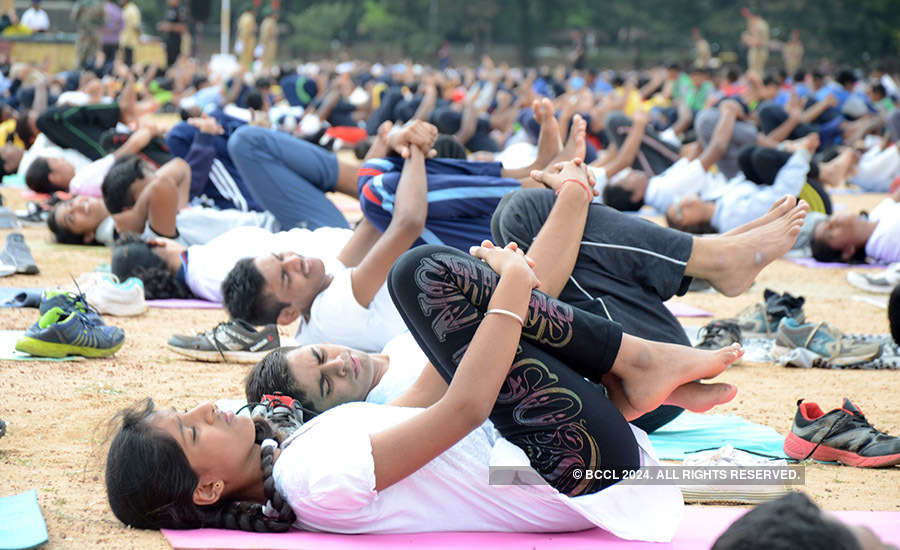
pixel 546 406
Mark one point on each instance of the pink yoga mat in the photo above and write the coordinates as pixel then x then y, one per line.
pixel 810 262
pixel 680 309
pixel 173 303
pixel 699 529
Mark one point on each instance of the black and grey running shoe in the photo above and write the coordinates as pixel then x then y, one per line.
pixel 235 341
pixel 842 435
pixel 17 255
pixel 719 334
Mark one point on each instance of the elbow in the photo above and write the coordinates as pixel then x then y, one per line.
pixel 471 413
pixel 411 223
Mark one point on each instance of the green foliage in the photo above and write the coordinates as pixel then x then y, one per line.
pixel 316 27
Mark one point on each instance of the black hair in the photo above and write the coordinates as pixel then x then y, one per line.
pixel 361 149
pixel 878 88
pixel 150 483
pixel 64 235
pixel 817 75
pixel 273 374
pixel 699 228
pixel 845 76
pixel 732 74
pixel 254 99
pixel 799 75
pixel 619 198
pixel 447 146
pixel 894 314
pixel 24 129
pixel 821 252
pixel 116 185
pixel 787 523
pixel 37 177
pixel 769 80
pixel 133 257
pixel 243 292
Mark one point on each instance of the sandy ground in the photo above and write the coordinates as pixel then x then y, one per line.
pixel 58 413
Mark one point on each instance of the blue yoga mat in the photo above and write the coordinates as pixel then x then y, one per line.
pixel 8 294
pixel 21 522
pixel 691 432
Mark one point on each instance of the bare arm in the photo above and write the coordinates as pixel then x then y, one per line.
pixel 721 136
pixel 630 146
pixel 425 392
pixel 555 248
pixel 401 450
pixel 179 172
pixel 364 238
pixel 407 224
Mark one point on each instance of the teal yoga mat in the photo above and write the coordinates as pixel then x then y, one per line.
pixel 21 522
pixel 692 432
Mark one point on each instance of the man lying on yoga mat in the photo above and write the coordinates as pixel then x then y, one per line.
pixel 367 468
pixel 624 269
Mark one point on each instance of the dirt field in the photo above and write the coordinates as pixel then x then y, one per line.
pixel 58 412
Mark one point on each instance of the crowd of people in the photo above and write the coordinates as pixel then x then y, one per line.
pixel 426 346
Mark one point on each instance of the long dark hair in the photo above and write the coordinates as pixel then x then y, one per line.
pixel 150 483
pixel 133 257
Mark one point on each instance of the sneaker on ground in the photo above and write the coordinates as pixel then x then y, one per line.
pixel 233 340
pixel 882 283
pixel 842 435
pixel 718 334
pixel 2 428
pixel 728 456
pixel 59 333
pixel 823 340
pixel 109 296
pixel 69 302
pixel 17 255
pixel 761 319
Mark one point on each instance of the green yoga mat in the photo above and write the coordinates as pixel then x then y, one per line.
pixel 8 351
pixel 691 432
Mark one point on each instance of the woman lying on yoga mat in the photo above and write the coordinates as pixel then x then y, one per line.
pixel 507 353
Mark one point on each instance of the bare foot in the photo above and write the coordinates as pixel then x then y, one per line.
pixel 576 145
pixel 834 172
pixel 781 206
pixel 731 262
pixel 699 397
pixel 549 141
pixel 647 374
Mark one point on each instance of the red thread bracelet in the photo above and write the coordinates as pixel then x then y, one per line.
pixel 579 182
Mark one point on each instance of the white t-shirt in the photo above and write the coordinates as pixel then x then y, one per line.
pixel 89 180
pixel 209 264
pixel 35 19
pixel 330 483
pixel 685 178
pixel 43 147
pixel 406 363
pixel 337 318
pixel 600 181
pixel 884 244
pixel 199 225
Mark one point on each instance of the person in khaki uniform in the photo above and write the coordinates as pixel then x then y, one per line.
pixel 793 53
pixel 131 34
pixel 756 37
pixel 702 49
pixel 89 17
pixel 268 37
pixel 246 27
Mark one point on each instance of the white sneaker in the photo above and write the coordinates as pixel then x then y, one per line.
pixel 882 283
pixel 107 295
pixel 742 494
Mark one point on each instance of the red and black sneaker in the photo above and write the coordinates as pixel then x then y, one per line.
pixel 842 435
